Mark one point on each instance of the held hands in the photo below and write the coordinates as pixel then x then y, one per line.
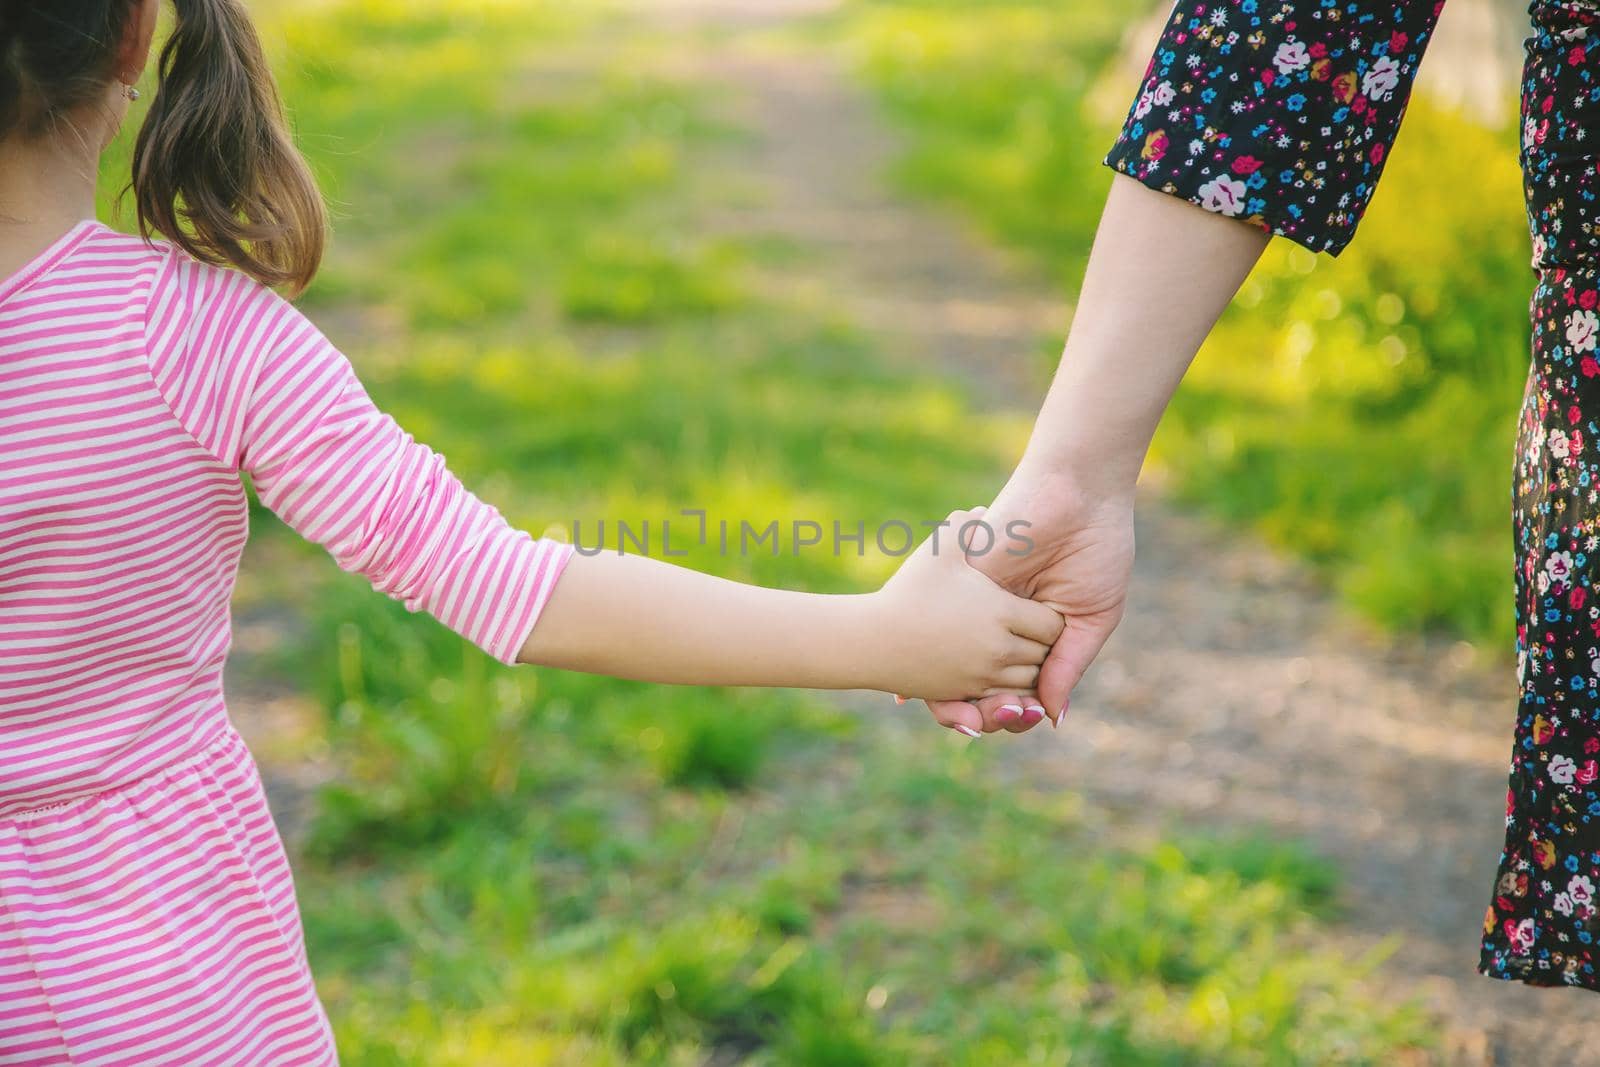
pixel 945 631
pixel 1079 566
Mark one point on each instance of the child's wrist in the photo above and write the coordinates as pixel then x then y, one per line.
pixel 866 638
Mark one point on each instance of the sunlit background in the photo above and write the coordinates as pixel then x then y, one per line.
pixel 798 259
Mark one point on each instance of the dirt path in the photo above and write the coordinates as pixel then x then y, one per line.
pixel 1233 693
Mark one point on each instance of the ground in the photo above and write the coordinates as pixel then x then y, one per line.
pixel 1233 694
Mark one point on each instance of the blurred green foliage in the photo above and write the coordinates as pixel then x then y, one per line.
pixel 1356 410
pixel 534 867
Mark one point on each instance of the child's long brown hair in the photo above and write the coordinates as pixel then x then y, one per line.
pixel 214 167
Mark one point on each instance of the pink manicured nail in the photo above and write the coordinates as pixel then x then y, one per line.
pixel 898 699
pixel 1007 712
pixel 1032 715
pixel 969 731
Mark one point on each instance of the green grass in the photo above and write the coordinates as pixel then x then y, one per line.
pixel 531 867
pixel 1357 411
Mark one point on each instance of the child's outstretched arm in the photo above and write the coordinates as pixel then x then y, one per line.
pixel 937 627
pixel 260 387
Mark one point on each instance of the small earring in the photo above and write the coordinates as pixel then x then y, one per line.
pixel 131 92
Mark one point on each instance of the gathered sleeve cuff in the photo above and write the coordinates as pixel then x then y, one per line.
pixel 1280 114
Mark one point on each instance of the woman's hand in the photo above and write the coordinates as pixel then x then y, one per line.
pixel 943 629
pixel 1079 565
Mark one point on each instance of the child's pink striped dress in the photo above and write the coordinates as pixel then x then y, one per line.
pixel 147 914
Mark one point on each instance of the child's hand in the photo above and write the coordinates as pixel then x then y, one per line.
pixel 945 631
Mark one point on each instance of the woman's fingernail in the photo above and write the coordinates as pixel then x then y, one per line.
pixel 1030 716
pixel 1007 712
pixel 898 699
pixel 969 731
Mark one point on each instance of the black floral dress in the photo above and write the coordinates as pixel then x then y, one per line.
pixel 1281 113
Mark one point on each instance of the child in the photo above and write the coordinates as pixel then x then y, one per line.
pixel 147 913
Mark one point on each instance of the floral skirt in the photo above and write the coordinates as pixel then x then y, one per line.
pixel 1542 925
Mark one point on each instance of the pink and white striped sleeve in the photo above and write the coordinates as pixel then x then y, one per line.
pixel 344 474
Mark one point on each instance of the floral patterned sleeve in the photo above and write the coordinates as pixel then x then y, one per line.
pixel 1278 112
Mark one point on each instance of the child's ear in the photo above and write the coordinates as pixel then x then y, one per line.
pixel 134 54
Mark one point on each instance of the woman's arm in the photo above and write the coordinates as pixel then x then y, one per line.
pixel 1160 274
pixel 1279 114
pixel 1272 116
pixel 938 627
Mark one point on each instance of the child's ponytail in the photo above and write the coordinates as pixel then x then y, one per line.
pixel 214 168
